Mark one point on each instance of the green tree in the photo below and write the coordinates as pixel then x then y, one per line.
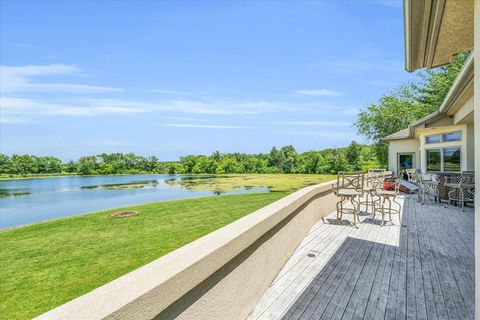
pixel 71 167
pixel 23 164
pixel 275 159
pixel 435 83
pixel 87 165
pixel 52 165
pixel 5 164
pixel 337 161
pixel 353 154
pixel 289 159
pixel 312 162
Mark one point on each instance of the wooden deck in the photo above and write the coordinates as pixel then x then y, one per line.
pixel 421 270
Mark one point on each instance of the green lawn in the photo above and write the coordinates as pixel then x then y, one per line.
pixel 46 264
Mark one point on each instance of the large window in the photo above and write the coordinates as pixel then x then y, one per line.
pixel 451 159
pixel 443 159
pixel 434 160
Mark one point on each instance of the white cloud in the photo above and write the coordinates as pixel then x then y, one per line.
pixel 15 110
pixel 315 123
pixel 20 110
pixel 328 110
pixel 202 126
pixel 219 107
pixel 171 92
pixel 360 65
pixel 185 119
pixel 20 79
pixel 318 92
pixel 335 135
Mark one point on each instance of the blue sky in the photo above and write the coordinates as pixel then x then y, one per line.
pixel 176 77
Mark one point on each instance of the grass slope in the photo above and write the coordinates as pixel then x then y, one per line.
pixel 47 264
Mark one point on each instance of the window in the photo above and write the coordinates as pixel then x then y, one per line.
pixel 405 161
pixel 434 160
pixel 444 159
pixel 444 137
pixel 451 159
pixel 433 139
pixel 452 136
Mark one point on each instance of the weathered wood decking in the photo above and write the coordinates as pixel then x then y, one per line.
pixel 423 270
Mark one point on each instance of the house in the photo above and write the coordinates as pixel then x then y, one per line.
pixel 435 31
pixel 444 140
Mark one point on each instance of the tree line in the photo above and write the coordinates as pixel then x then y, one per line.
pixel 283 160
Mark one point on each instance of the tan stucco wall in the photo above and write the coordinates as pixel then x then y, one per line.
pixel 402 146
pixel 477 153
pixel 470 146
pixel 445 121
pixel 220 276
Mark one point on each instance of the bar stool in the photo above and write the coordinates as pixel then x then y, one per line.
pixel 387 197
pixel 374 180
pixel 349 187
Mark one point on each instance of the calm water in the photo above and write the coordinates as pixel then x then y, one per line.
pixel 33 200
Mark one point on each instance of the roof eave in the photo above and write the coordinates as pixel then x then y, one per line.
pixel 422 22
pixel 435 31
pixel 463 80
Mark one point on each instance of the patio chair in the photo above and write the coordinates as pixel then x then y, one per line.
pixel 462 188
pixel 413 175
pixel 428 184
pixel 383 203
pixel 349 187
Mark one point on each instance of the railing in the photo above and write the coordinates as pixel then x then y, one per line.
pixel 219 276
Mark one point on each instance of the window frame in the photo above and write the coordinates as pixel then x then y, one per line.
pixel 460 158
pixel 440 150
pixel 441 135
pixel 442 160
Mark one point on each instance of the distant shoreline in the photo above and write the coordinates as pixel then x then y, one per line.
pixel 44 176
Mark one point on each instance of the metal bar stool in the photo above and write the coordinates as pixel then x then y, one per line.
pixel 374 179
pixel 427 185
pixel 349 187
pixel 384 202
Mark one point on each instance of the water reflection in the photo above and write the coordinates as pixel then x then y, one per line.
pixel 146 184
pixel 5 193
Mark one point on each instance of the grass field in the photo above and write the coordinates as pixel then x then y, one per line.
pixel 46 264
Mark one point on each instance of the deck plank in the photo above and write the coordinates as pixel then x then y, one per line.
pixel 421 270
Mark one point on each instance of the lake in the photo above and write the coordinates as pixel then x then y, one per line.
pixel 32 200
